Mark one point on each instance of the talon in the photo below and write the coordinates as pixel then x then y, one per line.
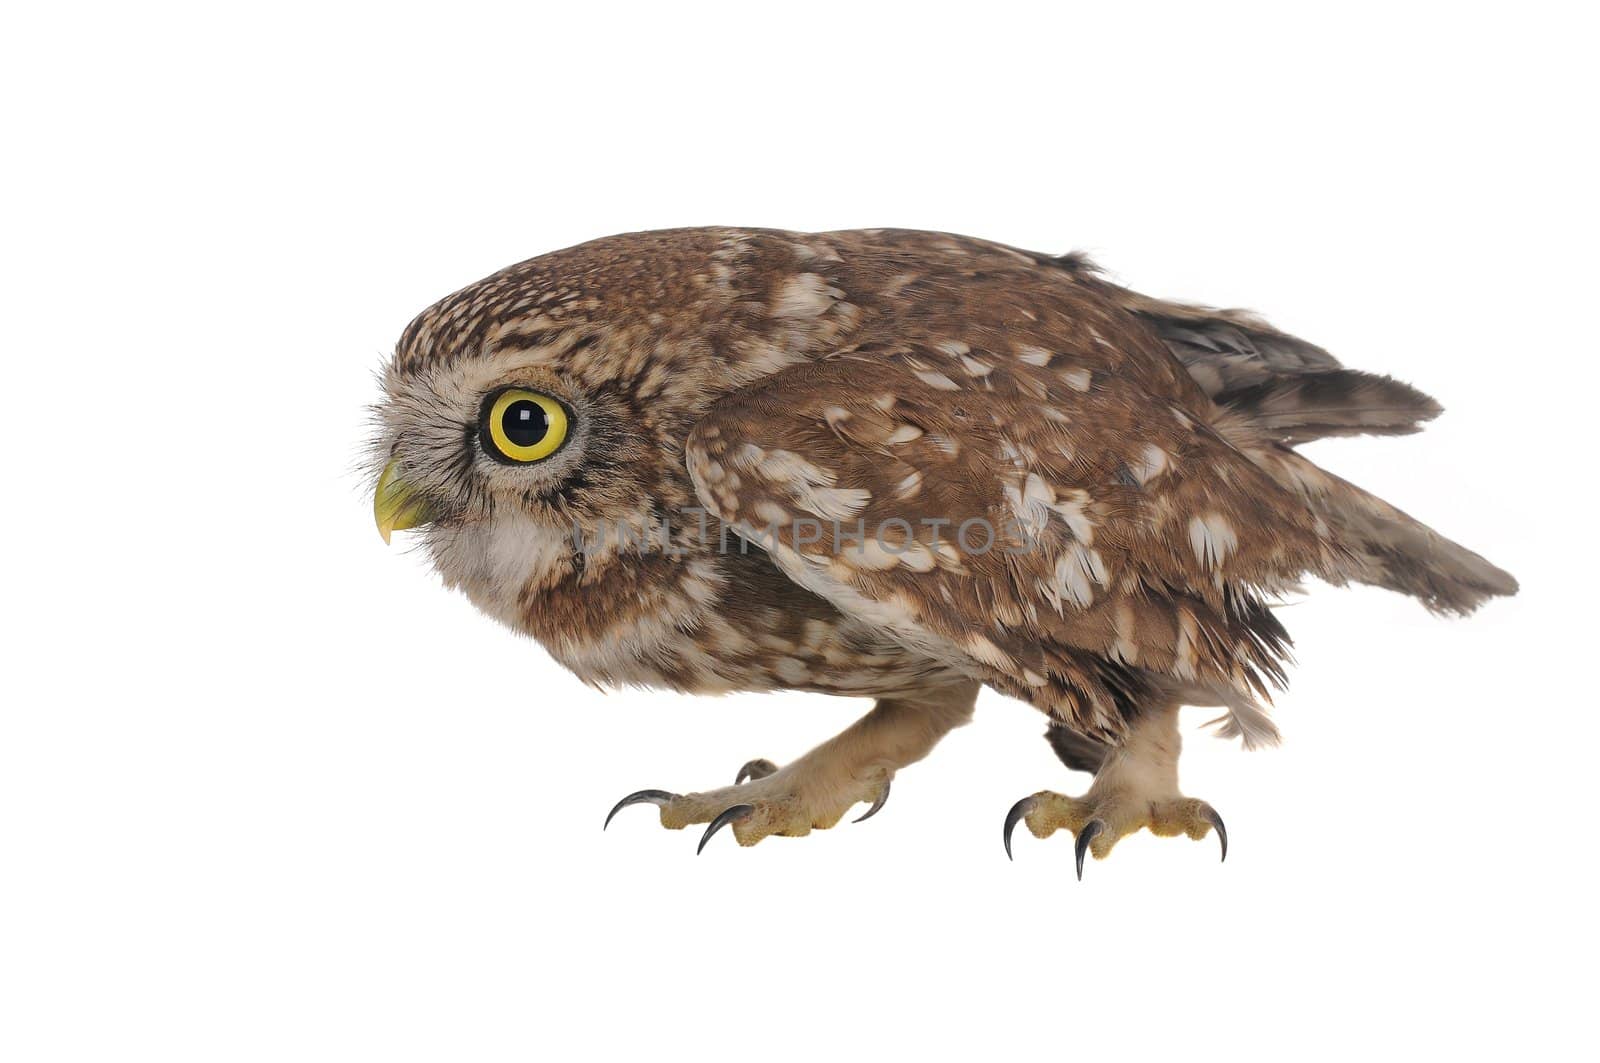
pixel 725 817
pixel 876 805
pixel 759 768
pixel 1215 820
pixel 639 797
pixel 1091 830
pixel 1018 810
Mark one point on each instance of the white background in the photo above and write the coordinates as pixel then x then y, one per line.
pixel 267 792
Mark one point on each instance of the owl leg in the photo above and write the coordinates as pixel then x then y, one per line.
pixel 815 791
pixel 1135 787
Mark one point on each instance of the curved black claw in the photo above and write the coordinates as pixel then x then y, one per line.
pixel 876 805
pixel 725 817
pixel 639 797
pixel 759 768
pixel 1091 830
pixel 1018 810
pixel 1222 831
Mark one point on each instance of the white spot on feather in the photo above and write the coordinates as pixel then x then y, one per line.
pixel 1152 463
pixel 834 503
pixel 786 466
pixel 748 454
pixel 805 295
pixel 1031 504
pixel 791 670
pixel 769 512
pixel 1212 538
pixel 987 652
pixel 1077 379
pixel 812 487
pixel 1073 508
pixel 869 554
pixel 1077 571
pixel 935 379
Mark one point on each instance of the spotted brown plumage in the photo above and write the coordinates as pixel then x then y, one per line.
pixel 897 465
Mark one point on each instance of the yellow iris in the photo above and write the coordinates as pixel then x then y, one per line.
pixel 520 426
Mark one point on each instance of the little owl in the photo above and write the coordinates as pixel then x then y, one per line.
pixel 896 465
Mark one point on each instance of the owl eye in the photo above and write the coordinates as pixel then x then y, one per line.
pixel 520 426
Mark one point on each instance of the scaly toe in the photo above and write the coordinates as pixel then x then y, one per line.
pixel 1047 812
pixel 1051 812
pixel 1188 815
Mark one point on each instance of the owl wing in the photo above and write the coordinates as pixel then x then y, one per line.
pixel 1291 390
pixel 1066 534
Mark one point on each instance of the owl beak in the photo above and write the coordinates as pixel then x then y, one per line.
pixel 395 505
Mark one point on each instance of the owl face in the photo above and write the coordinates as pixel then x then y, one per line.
pixel 482 451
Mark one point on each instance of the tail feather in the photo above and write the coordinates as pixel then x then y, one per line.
pixel 1382 546
pixel 1338 402
pixel 1294 391
pixel 1280 391
pixel 1224 350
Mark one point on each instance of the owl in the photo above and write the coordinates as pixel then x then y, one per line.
pixel 901 466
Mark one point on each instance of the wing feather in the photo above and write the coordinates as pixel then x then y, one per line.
pixel 1290 388
pixel 1066 534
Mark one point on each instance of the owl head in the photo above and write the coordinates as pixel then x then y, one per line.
pixel 479 446
pixel 553 400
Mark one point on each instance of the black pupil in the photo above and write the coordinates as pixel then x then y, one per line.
pixel 525 423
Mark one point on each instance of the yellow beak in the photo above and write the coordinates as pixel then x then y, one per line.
pixel 395 505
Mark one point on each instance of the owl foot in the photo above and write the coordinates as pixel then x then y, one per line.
pixel 815 791
pixel 1135 787
pixel 791 801
pixel 1100 821
pixel 761 767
